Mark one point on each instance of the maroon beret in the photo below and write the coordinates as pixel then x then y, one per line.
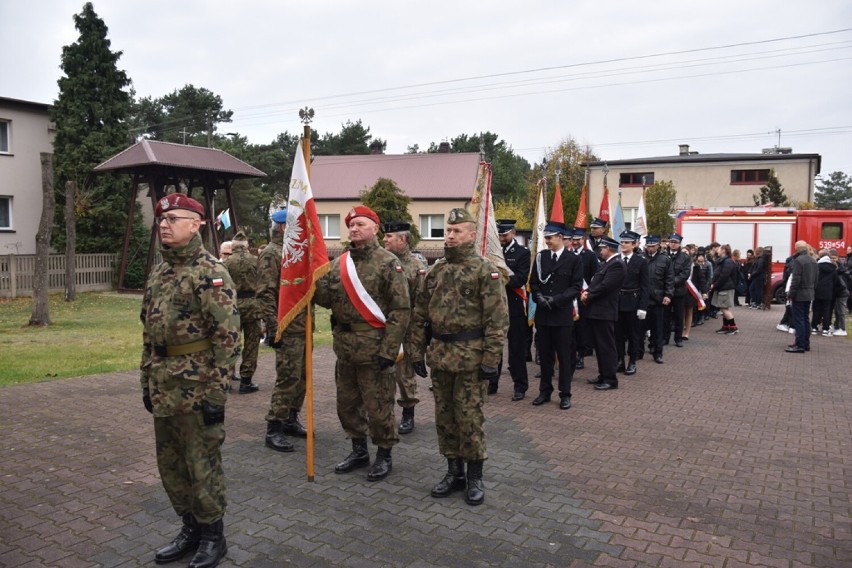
pixel 362 211
pixel 178 201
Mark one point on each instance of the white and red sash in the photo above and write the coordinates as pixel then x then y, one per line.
pixel 358 295
pixel 696 295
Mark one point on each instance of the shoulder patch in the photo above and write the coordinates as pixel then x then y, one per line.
pixel 217 282
pixel 495 275
pixel 421 272
pixel 398 268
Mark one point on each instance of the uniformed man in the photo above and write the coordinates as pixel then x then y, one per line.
pixel 368 296
pixel 190 343
pixel 661 281
pixel 397 239
pixel 582 334
pixel 597 231
pixel 242 266
pixel 288 394
pixel 225 250
pixel 517 259
pixel 556 281
pixel 463 302
pixel 682 268
pixel 601 297
pixel 632 304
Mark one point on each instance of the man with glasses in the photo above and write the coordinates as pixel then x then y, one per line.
pixel 190 343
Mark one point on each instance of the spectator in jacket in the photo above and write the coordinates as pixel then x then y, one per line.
pixel 757 280
pixel 724 288
pixel 800 292
pixel 690 308
pixel 824 294
pixel 841 294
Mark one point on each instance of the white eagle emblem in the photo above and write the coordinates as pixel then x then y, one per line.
pixel 164 203
pixel 295 241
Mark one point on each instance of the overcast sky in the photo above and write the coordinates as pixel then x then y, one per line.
pixel 631 79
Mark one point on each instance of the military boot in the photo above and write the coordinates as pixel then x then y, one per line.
pixel 359 457
pixel 453 481
pixel 382 466
pixel 475 489
pixel 293 427
pixel 186 540
pixel 275 437
pixel 246 386
pixel 406 425
pixel 212 547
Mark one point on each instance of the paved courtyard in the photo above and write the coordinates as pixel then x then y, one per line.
pixel 732 453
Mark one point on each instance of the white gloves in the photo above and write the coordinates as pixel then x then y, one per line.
pixel 641 314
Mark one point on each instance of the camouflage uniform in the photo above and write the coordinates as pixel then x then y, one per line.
pixel 364 392
pixel 189 299
pixel 462 292
pixel 242 266
pixel 414 270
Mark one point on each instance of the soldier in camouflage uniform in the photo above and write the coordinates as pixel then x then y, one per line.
pixel 190 343
pixel 288 394
pixel 463 301
pixel 397 239
pixel 242 266
pixel 368 296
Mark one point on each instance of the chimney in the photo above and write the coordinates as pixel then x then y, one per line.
pixel 683 149
pixel 444 148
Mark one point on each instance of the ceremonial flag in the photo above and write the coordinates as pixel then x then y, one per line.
pixel 696 295
pixel 224 218
pixel 556 213
pixel 304 257
pixel 583 209
pixel 482 209
pixel 536 244
pixel 618 225
pixel 641 224
pixel 604 211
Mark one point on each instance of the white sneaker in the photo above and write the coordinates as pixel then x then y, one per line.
pixel 782 327
pixel 827 333
pixel 840 332
pixel 814 331
pixel 792 331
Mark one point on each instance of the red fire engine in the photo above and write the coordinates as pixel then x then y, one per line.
pixel 779 228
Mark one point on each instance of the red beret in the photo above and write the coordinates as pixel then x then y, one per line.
pixel 362 211
pixel 178 201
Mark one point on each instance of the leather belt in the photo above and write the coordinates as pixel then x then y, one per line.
pixel 355 327
pixel 633 292
pixel 244 295
pixel 460 336
pixel 183 349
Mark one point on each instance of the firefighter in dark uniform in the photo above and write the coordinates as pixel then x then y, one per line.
pixel 555 282
pixel 682 267
pixel 597 231
pixel 661 276
pixel 632 303
pixel 518 260
pixel 582 334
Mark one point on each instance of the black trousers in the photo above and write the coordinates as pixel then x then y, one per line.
pixel 517 337
pixel 556 342
pixel 654 322
pixel 603 334
pixel 629 332
pixel 673 320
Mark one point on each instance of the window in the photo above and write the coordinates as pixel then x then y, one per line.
pixel 4 136
pixel 635 179
pixel 749 177
pixel 5 212
pixel 432 227
pixel 831 232
pixel 330 226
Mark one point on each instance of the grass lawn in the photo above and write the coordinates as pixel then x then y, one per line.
pixel 100 332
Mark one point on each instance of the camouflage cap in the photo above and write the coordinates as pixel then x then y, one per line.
pixel 459 215
pixel 240 236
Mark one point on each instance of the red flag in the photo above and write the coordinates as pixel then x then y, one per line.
pixel 304 257
pixel 556 213
pixel 582 210
pixel 604 214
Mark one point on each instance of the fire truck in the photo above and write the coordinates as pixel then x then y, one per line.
pixel 779 228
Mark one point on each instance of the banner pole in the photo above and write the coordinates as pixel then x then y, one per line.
pixel 309 344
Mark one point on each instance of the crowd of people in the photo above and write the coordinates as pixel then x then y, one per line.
pixel 393 319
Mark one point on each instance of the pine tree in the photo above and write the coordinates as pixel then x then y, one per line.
pixel 772 193
pixel 660 203
pixel 835 193
pixel 391 204
pixel 91 125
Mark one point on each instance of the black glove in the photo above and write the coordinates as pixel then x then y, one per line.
pixel 270 339
pixel 420 369
pixel 213 413
pixel 385 363
pixel 487 373
pixel 146 400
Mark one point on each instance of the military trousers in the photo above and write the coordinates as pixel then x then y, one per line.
pixel 289 390
pixel 459 416
pixel 654 323
pixel 628 332
pixel 674 316
pixel 517 348
pixel 189 459
pixel 365 401
pixel 251 343
pixel 406 383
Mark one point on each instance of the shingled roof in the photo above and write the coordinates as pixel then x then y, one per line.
pixel 420 176
pixel 179 156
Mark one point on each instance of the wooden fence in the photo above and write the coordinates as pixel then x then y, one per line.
pixel 94 272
